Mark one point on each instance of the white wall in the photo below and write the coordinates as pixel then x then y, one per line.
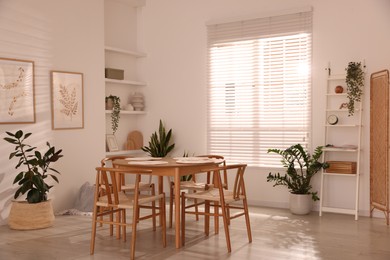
pixel 57 35
pixel 174 36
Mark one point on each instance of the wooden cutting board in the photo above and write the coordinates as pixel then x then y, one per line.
pixel 135 140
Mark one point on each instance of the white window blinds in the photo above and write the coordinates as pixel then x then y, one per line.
pixel 259 86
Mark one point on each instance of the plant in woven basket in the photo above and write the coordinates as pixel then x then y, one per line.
pixel 300 168
pixel 116 109
pixel 355 83
pixel 159 144
pixel 32 180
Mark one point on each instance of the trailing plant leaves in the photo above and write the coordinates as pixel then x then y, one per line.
pixel 355 83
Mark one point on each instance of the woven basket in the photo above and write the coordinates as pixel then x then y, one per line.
pixel 341 167
pixel 29 216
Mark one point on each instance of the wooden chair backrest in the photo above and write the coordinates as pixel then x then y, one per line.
pixel 225 178
pixel 239 184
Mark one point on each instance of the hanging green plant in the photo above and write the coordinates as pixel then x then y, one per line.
pixel 355 83
pixel 116 109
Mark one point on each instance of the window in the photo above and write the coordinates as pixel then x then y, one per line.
pixel 259 93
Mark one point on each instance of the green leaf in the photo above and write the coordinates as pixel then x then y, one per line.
pixel 11 140
pixel 10 134
pixel 27 135
pixel 19 134
pixel 54 177
pixel 33 196
pixel 18 177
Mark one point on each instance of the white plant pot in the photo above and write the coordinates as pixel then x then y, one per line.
pixel 300 204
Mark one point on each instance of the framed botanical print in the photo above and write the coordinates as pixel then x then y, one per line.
pixel 67 100
pixel 17 99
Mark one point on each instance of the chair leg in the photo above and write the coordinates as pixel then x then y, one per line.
pixel 216 218
pixel 154 210
pixel 226 227
pixel 118 227
pixel 111 219
pixel 207 218
pixel 134 232
pixel 183 219
pixel 196 209
pixel 248 224
pixel 93 233
pixel 171 198
pixel 124 224
pixel 164 223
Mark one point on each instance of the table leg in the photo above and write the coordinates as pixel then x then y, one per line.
pixel 160 190
pixel 177 208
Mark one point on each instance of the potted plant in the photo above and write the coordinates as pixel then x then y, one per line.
pixel 355 83
pixel 300 168
pixel 159 144
pixel 32 180
pixel 114 103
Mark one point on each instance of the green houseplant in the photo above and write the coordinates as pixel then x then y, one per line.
pixel 32 180
pixel 300 168
pixel 114 103
pixel 355 83
pixel 37 211
pixel 159 144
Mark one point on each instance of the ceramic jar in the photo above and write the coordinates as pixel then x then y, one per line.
pixel 137 101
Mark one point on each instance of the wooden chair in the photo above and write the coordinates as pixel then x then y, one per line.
pixel 221 198
pixel 143 186
pixel 112 200
pixel 192 186
pixel 127 187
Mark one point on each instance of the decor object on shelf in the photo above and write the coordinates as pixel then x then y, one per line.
pixel 159 145
pixel 355 83
pixel 17 88
pixel 110 73
pixel 67 100
pixel 137 101
pixel 301 167
pixel 343 105
pixel 341 167
pixel 332 119
pixel 115 103
pixel 339 89
pixel 37 212
pixel 135 140
pixel 129 107
pixel 112 144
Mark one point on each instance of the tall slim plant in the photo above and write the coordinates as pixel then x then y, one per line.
pixel 32 179
pixel 159 144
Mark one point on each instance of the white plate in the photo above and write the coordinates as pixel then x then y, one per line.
pixel 147 162
pixel 143 158
pixel 191 158
pixel 204 160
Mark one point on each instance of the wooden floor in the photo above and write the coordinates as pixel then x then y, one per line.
pixel 276 235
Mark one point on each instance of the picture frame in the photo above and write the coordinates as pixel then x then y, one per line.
pixel 17 91
pixel 112 144
pixel 67 100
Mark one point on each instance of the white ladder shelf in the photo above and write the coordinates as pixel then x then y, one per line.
pixel 335 135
